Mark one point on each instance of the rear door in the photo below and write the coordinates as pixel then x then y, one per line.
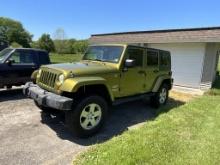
pixel 23 66
pixel 165 62
pixel 151 68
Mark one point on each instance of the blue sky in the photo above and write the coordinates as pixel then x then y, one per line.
pixel 82 18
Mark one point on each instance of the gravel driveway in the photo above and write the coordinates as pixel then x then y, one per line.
pixel 28 136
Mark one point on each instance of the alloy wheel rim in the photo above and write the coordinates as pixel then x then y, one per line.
pixel 163 96
pixel 90 116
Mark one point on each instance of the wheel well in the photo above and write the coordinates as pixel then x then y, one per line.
pixel 87 90
pixel 168 82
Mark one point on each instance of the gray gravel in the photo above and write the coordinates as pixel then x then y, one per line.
pixel 28 136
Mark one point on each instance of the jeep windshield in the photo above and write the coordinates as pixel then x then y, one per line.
pixel 3 54
pixel 104 53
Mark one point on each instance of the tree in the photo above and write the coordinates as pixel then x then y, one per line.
pixel 80 46
pixel 46 43
pixel 71 49
pixel 13 31
pixel 60 40
pixel 34 44
pixel 15 45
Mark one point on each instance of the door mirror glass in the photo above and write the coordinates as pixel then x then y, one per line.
pixel 129 63
pixel 10 61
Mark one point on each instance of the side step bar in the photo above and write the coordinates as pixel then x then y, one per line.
pixel 132 98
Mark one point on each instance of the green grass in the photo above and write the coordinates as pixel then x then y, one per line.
pixel 189 134
pixel 63 58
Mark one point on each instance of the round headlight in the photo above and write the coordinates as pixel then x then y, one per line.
pixel 61 78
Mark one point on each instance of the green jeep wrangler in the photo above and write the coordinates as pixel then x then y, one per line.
pixel 108 74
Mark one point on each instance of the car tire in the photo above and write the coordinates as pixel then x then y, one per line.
pixel 87 117
pixel 160 97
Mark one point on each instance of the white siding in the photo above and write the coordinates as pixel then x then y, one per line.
pixel 187 62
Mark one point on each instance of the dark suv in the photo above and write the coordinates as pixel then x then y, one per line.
pixel 17 65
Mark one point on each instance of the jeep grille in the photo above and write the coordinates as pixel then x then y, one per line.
pixel 48 78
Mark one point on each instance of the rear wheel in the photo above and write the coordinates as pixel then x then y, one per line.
pixel 87 117
pixel 160 97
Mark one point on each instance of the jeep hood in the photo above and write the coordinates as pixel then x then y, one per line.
pixel 82 68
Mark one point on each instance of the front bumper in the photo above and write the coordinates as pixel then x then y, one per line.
pixel 47 99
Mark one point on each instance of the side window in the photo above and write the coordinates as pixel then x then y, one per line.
pixel 164 58
pixel 22 57
pixel 43 58
pixel 152 58
pixel 136 54
pixel 16 57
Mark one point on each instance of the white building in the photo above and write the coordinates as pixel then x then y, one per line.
pixel 194 52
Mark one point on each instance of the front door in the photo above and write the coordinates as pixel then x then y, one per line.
pixel 20 70
pixel 133 79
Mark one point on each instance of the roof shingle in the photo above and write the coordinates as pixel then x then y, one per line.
pixel 210 34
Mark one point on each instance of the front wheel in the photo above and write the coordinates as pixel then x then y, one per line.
pixel 87 117
pixel 161 97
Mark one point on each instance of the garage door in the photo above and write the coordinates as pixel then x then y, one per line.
pixel 187 62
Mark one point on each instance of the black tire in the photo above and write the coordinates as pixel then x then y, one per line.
pixel 43 108
pixel 156 100
pixel 74 117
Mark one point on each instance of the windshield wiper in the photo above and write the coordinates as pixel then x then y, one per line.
pixel 96 59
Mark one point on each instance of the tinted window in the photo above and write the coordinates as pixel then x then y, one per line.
pixel 164 58
pixel 152 58
pixel 4 53
pixel 22 57
pixel 43 58
pixel 137 55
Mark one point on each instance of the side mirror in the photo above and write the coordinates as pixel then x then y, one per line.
pixel 10 61
pixel 129 63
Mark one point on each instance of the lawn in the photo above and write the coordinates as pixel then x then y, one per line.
pixel 188 134
pixel 63 58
